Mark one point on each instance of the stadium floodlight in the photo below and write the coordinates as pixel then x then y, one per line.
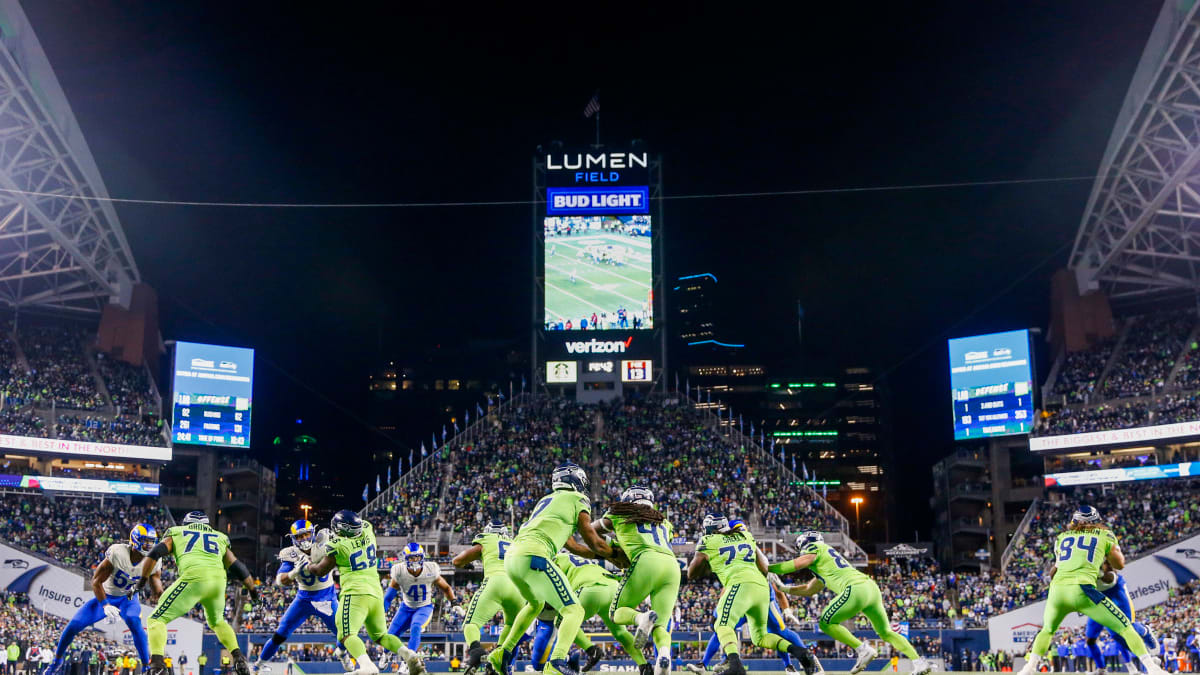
pixel 856 501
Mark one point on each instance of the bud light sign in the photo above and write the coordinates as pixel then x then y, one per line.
pixel 598 200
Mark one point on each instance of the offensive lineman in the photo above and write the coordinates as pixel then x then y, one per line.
pixel 1078 554
pixel 530 565
pixel 495 594
pixel 202 556
pixel 351 549
pixel 734 558
pixel 315 596
pixel 856 594
pixel 413 578
pixel 644 534
pixel 120 570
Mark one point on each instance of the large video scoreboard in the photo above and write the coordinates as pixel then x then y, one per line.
pixel 213 388
pixel 991 385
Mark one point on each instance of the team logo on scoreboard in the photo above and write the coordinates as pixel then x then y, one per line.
pixel 636 371
pixel 561 372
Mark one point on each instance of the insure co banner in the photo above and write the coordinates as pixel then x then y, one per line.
pixel 60 592
pixel 1148 580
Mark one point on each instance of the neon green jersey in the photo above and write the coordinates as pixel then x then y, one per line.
pixel 582 571
pixel 355 558
pixel 199 550
pixel 733 557
pixel 1078 554
pixel 494 546
pixel 832 568
pixel 552 521
pixel 636 538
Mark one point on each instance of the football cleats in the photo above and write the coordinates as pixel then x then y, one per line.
pixel 638 495
pixel 1086 514
pixel 195 517
pixel 570 476
pixel 143 538
pixel 346 523
pixel 714 523
pixel 302 534
pixel 805 538
pixel 414 556
pixel 496 527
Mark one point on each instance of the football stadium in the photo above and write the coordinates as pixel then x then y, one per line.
pixel 649 499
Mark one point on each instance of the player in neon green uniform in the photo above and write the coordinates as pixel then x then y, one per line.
pixel 597 589
pixel 351 549
pixel 856 593
pixel 734 558
pixel 495 594
pixel 1079 554
pixel 644 535
pixel 201 555
pixel 530 565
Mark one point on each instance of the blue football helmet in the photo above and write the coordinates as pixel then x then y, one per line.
pixel 1086 514
pixel 346 523
pixel 570 476
pixel 737 525
pixel 302 534
pixel 809 537
pixel 414 556
pixel 195 517
pixel 143 538
pixel 714 523
pixel 496 527
pixel 638 495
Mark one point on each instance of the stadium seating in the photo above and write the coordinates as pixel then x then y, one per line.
pixel 28 628
pixel 500 470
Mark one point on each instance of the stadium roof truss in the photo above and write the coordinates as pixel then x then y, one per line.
pixel 60 246
pixel 1140 234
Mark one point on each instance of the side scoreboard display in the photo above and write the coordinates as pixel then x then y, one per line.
pixel 212 388
pixel 991 385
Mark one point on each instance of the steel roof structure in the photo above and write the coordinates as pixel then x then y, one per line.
pixel 61 243
pixel 1140 234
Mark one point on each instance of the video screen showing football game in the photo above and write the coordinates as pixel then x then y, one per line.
pixel 598 272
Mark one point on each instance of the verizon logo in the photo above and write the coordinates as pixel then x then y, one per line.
pixel 599 347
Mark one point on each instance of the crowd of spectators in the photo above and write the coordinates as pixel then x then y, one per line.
pixel 58 371
pixel 498 470
pixel 128 387
pixel 1148 355
pixel 122 429
pixel 1143 515
pixel 36 634
pixel 1080 372
pixel 73 531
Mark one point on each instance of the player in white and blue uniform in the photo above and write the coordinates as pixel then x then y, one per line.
pixel 1112 585
pixel 315 596
pixel 775 624
pixel 120 570
pixel 414 579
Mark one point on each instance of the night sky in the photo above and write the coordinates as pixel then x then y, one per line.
pixel 326 103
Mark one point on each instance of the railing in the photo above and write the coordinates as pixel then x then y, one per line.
pixel 1018 535
pixel 470 434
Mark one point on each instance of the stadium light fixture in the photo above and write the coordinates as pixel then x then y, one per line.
pixel 857 501
pixel 305 508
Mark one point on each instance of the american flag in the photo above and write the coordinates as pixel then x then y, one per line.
pixel 592 107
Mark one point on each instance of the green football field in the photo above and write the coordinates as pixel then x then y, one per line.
pixel 577 285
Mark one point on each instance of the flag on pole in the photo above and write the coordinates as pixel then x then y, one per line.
pixel 794 467
pixel 751 430
pixel 677 382
pixel 479 408
pixel 805 466
pixel 467 417
pixel 366 491
pixel 781 458
pixel 443 433
pixel 377 489
pixel 687 391
pixel 741 421
pixel 522 383
pixel 593 106
pixel 456 427
pixel 389 474
pixel 825 492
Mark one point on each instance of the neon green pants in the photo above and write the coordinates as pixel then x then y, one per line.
pixel 751 598
pixel 496 594
pixel 180 598
pixel 655 576
pixel 861 598
pixel 541 583
pixel 357 611
pixel 1066 598
pixel 596 600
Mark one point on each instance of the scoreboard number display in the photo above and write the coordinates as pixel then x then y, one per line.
pixel 212 391
pixel 991 385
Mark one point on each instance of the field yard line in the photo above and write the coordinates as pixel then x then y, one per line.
pixel 576 248
pixel 566 292
pixel 599 268
pixel 603 291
